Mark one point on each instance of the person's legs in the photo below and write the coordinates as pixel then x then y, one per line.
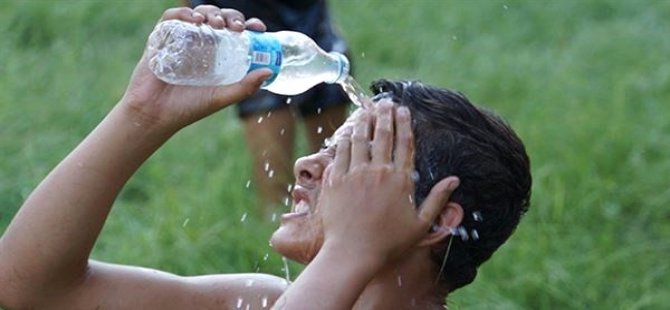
pixel 271 142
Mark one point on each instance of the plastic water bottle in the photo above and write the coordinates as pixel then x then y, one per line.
pixel 182 53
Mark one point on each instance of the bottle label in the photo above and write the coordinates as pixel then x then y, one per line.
pixel 265 52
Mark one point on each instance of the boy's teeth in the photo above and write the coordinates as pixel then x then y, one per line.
pixel 302 207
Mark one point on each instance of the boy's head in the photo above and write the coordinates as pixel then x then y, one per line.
pixel 454 137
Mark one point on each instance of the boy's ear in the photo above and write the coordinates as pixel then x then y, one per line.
pixel 450 217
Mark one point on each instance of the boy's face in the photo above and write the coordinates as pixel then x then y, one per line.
pixel 300 235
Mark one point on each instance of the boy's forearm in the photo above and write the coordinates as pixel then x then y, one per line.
pixel 51 237
pixel 333 280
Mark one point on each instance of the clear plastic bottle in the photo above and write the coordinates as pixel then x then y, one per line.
pixel 186 54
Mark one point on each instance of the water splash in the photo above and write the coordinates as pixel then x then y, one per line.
pixel 477 216
pixel 286 270
pixel 415 176
pixel 355 92
pixel 474 234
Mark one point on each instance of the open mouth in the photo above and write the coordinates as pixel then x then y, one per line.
pixel 300 206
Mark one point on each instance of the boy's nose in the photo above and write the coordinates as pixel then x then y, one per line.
pixel 308 170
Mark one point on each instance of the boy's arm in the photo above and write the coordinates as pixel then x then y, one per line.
pixel 44 251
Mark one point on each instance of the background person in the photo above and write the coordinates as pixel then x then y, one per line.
pixel 270 120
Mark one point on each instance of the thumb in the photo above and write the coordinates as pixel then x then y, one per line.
pixel 438 196
pixel 242 89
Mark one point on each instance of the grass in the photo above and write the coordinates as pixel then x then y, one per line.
pixel 586 85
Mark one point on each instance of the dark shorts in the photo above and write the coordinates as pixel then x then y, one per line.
pixel 310 17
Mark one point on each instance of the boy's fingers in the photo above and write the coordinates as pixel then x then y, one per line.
pixel 183 13
pixel 382 146
pixel 255 24
pixel 437 198
pixel 360 139
pixel 226 95
pixel 404 139
pixel 343 153
pixel 234 19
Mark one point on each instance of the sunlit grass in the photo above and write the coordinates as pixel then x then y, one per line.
pixel 585 84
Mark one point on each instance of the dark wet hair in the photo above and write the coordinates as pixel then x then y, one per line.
pixel 454 137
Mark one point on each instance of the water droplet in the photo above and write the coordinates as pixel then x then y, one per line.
pixel 477 216
pixel 454 38
pixel 318 111
pixel 287 201
pixel 415 176
pixel 399 281
pixel 269 114
pixel 319 129
pixel 271 174
pixel 248 184
pixel 185 222
pixel 247 307
pixel 289 188
pixel 264 302
pixel 286 270
pixel 267 166
pixel 274 217
pixel 328 142
pixel 282 131
pixel 463 233
pixel 288 100
pixel 363 55
pixel 249 283
pixel 474 234
pixel 505 6
pixel 266 256
pixel 410 199
pixel 239 302
pixel 260 119
pixel 244 217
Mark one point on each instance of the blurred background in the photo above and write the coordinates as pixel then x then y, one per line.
pixel 586 84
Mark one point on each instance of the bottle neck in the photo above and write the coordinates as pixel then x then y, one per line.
pixel 343 66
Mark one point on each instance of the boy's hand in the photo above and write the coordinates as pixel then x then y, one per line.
pixel 153 102
pixel 367 195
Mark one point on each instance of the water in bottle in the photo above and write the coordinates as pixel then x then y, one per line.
pixel 187 54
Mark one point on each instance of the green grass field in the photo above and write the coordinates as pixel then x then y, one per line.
pixel 585 83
